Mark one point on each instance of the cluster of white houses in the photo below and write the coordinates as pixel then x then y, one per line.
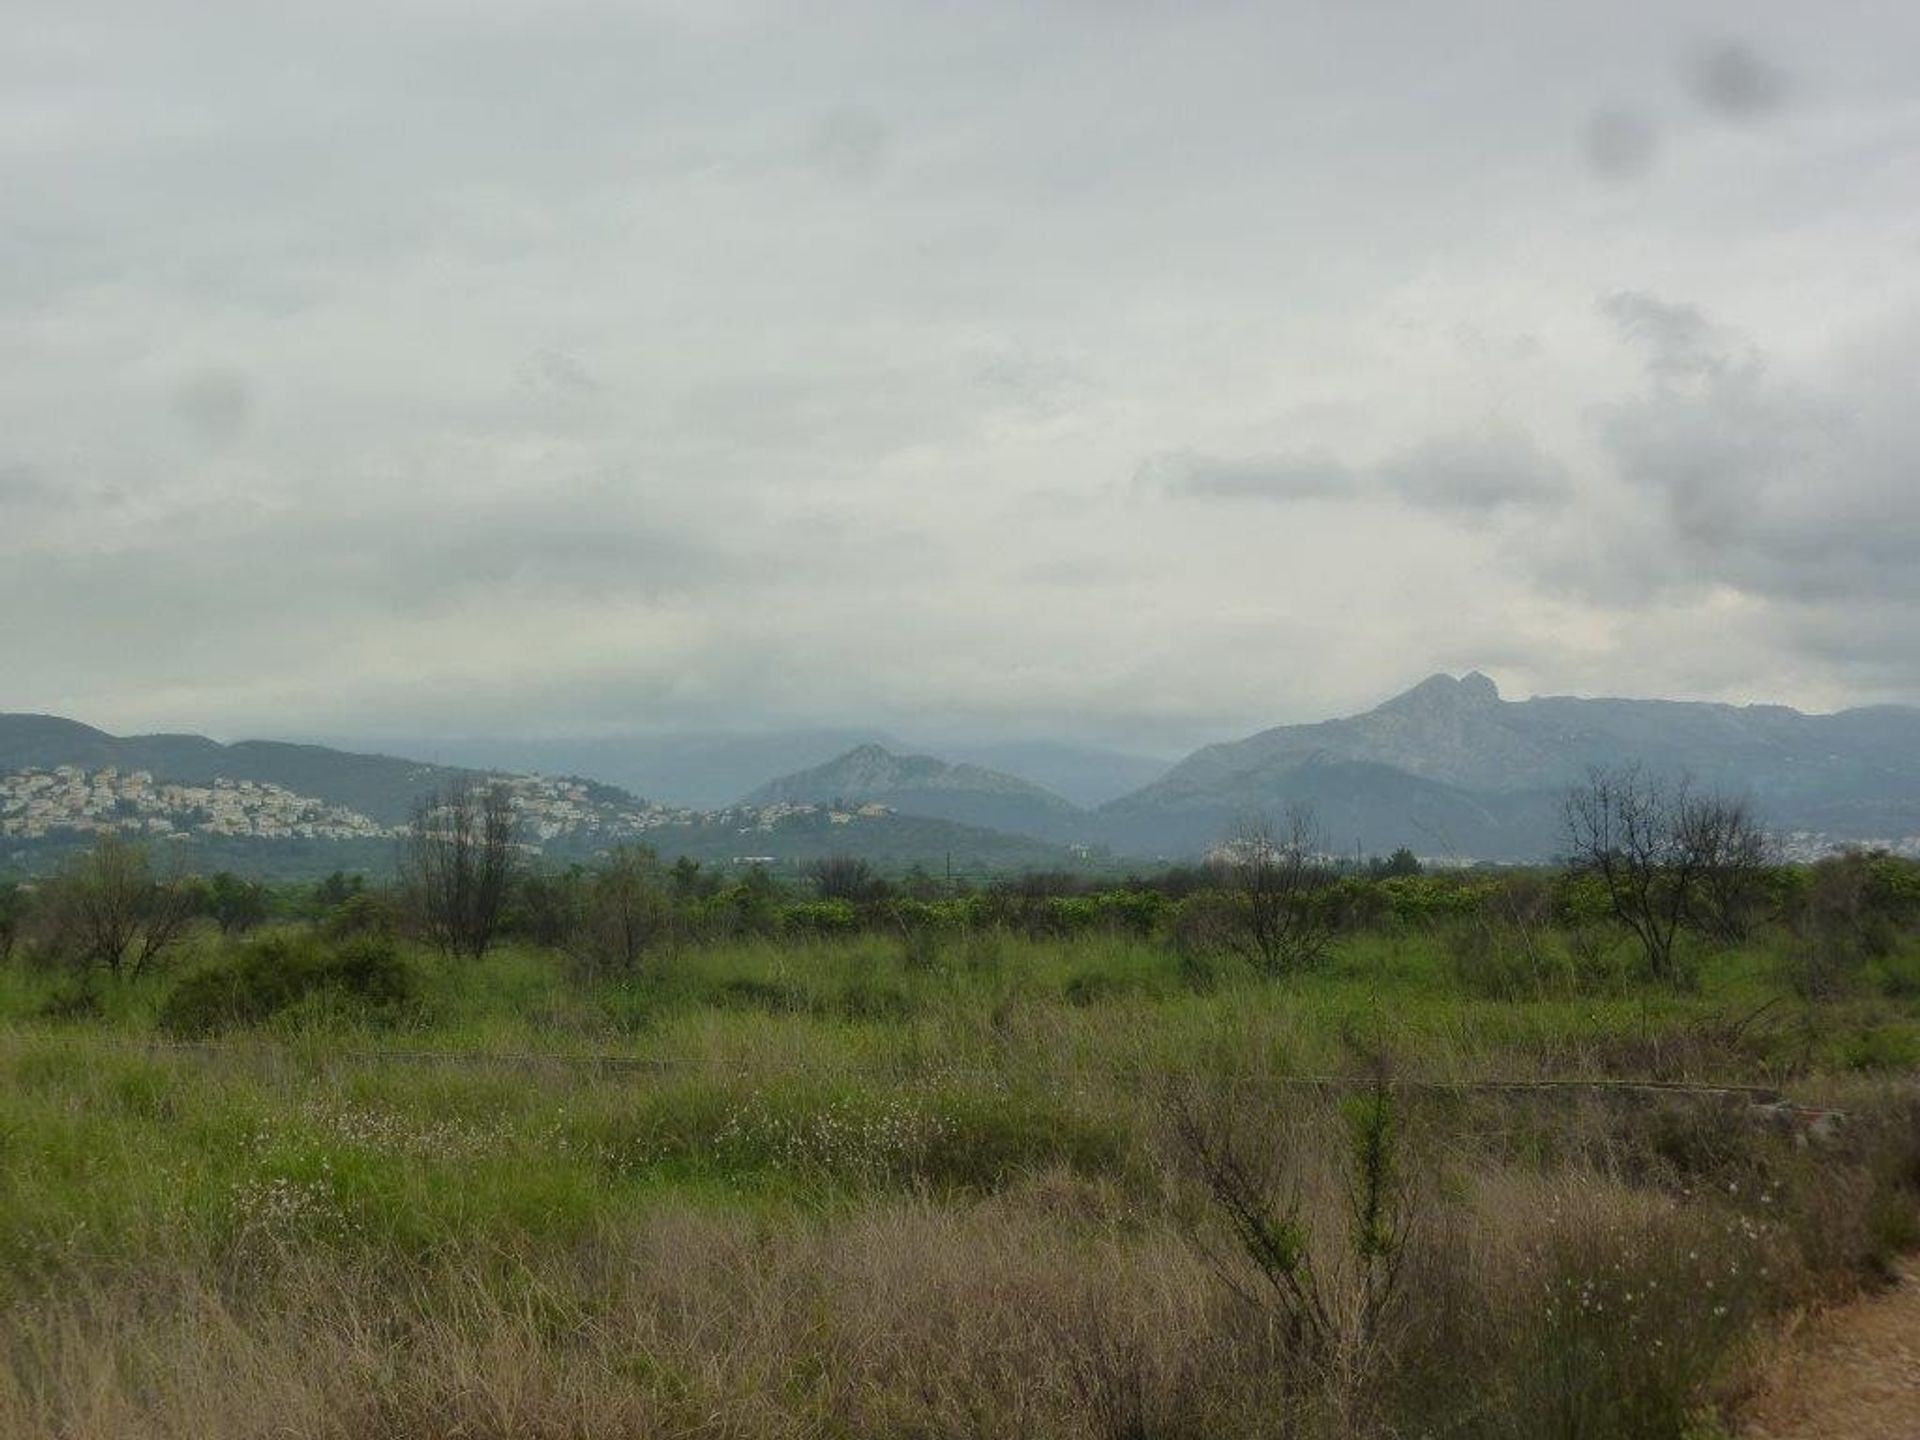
pixel 73 800
pixel 35 803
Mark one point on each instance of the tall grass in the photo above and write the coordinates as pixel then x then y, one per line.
pixel 837 1188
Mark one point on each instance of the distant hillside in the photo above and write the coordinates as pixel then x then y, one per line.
pixel 380 786
pixel 285 810
pixel 707 770
pixel 711 769
pixel 926 786
pixel 1448 769
pixel 892 842
pixel 1451 768
pixel 1085 775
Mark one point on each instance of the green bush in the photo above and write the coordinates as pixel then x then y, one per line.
pixel 1897 976
pixel 819 918
pixel 363 979
pixel 1884 1047
pixel 363 913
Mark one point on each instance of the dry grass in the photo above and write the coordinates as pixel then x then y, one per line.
pixel 1533 1303
pixel 971 1218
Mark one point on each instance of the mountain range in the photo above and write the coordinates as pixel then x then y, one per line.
pixel 291 810
pixel 1449 769
pixel 711 769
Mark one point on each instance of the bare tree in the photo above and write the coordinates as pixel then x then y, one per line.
pixel 1272 879
pixel 1731 849
pixel 108 910
pixel 1666 856
pixel 458 863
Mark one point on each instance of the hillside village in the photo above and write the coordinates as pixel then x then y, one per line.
pixel 66 800
pixel 38 803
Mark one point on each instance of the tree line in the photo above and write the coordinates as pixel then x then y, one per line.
pixel 1659 860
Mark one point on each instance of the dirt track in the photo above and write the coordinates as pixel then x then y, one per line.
pixel 1854 1373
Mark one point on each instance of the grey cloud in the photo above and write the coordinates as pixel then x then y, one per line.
pixel 555 372
pixel 850 143
pixel 1732 79
pixel 1476 472
pixel 1471 471
pixel 23 485
pixel 1677 340
pixel 1778 488
pixel 215 403
pixel 39 509
pixel 1039 386
pixel 1194 475
pixel 1620 143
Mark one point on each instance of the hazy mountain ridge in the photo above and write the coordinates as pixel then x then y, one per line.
pixel 710 770
pixel 927 786
pixel 278 829
pixel 1451 768
pixel 1447 768
pixel 707 771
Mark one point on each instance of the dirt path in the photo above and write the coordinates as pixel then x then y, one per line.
pixel 1854 1373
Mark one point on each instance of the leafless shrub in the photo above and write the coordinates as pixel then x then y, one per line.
pixel 458 863
pixel 1330 1301
pixel 1666 856
pixel 1272 881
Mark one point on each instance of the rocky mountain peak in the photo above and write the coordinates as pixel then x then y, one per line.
pixel 1443 692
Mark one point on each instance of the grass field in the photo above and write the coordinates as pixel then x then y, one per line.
pixel 854 1188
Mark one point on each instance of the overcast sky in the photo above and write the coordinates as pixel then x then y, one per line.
pixel 1135 372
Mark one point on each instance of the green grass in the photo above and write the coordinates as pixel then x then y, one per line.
pixel 467 1169
pixel 808 1069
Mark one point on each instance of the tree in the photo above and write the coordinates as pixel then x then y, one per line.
pixel 846 877
pixel 1666 856
pixel 235 905
pixel 458 864
pixel 1402 863
pixel 690 882
pixel 549 906
pixel 1271 879
pixel 336 889
pixel 754 901
pixel 919 883
pixel 627 911
pixel 108 910
pixel 1732 852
